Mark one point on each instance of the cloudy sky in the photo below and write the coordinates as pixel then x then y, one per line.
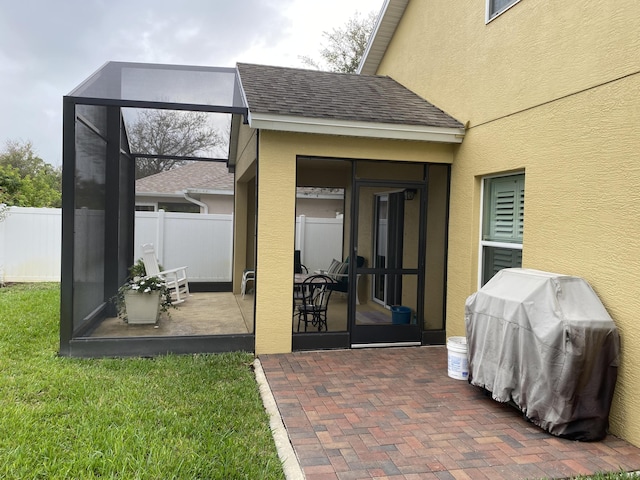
pixel 47 47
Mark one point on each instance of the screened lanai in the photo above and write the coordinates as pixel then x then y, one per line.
pixel 385 148
pixel 99 189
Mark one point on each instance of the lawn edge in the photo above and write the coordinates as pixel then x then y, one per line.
pixel 290 464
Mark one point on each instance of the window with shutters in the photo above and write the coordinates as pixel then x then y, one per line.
pixel 496 7
pixel 502 224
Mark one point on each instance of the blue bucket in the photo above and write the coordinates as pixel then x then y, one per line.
pixel 400 315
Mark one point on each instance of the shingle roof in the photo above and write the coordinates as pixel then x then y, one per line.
pixel 339 96
pixel 194 175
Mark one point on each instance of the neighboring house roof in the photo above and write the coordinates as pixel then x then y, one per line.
pixel 199 177
pixel 385 27
pixel 208 177
pixel 313 101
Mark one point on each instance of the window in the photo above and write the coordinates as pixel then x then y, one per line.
pixel 145 208
pixel 502 224
pixel 496 7
pixel 178 207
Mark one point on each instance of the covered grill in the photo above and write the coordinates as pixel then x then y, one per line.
pixel 545 342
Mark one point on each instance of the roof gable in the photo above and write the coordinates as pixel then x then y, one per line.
pixel 343 96
pixel 312 101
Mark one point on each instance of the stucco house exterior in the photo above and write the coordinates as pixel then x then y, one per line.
pixel 549 94
pixel 476 136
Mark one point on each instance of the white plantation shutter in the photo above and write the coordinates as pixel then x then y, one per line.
pixel 503 224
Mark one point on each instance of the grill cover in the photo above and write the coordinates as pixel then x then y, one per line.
pixel 545 342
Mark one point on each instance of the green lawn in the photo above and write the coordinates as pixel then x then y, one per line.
pixel 192 416
pixel 611 476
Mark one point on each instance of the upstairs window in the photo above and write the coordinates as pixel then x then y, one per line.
pixel 502 224
pixel 496 7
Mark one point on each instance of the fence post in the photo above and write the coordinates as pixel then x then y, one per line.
pixel 3 241
pixel 231 246
pixel 300 237
pixel 160 236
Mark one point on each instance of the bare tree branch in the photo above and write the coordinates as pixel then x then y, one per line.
pixel 170 132
pixel 344 46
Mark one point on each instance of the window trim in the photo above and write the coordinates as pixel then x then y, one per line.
pixel 490 243
pixel 488 17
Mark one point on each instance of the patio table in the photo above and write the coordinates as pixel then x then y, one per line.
pixel 299 278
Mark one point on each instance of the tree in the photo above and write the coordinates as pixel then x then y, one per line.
pixel 345 46
pixel 28 191
pixel 26 180
pixel 170 132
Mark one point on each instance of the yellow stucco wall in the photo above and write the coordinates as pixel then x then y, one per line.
pixel 551 89
pixel 532 53
pixel 247 153
pixel 244 204
pixel 278 152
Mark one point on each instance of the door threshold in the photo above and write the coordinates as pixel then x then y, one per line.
pixel 383 345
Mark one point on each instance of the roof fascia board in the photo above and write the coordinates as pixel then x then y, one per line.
pixel 286 123
pixel 159 194
pixel 388 20
pixel 233 140
pixel 208 191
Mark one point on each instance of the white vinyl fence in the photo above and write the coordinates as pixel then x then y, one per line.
pixel 319 241
pixel 30 240
pixel 30 243
pixel 204 243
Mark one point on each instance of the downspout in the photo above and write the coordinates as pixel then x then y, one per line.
pixel 202 205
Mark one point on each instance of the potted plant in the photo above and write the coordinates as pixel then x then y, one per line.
pixel 141 299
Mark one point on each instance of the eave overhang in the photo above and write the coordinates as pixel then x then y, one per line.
pixel 351 128
pixel 388 20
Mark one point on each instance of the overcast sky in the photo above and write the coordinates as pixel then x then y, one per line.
pixel 47 47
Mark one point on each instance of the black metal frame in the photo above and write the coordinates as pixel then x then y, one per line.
pixel 119 218
pixel 118 248
pixel 387 334
pixel 379 334
pixel 91 347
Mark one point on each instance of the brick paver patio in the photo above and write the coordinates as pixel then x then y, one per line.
pixel 394 413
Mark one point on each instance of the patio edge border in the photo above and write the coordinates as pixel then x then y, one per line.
pixel 290 463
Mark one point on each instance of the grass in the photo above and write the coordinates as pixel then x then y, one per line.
pixel 610 476
pixel 172 417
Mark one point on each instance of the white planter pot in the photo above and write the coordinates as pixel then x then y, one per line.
pixel 142 308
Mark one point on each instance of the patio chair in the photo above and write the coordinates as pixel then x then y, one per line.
pixel 247 276
pixel 175 278
pixel 313 309
pixel 339 271
pixel 298 267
